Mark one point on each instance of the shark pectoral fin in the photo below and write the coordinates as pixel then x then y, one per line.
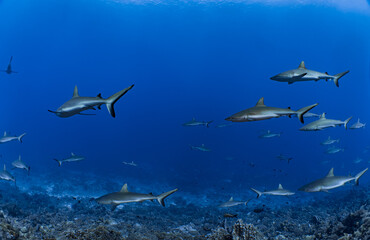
pixel 300 75
pixel 52 111
pixel 114 206
pixel 290 82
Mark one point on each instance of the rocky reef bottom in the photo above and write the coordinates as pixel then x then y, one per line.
pixel 36 215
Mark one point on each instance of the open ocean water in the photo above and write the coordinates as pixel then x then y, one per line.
pixel 193 64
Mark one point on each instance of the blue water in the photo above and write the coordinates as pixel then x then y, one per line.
pixel 202 60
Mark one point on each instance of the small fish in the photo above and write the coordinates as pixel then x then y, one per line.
pixel 357 125
pixel 21 165
pixel 258 210
pixel 5 175
pixel 72 158
pixel 194 122
pixel 333 150
pixel 330 182
pixel 277 192
pixel 130 163
pixel 269 134
pixel 6 138
pixel 329 141
pixel 9 68
pixel 283 157
pixel 232 203
pixel 251 164
pixel 200 148
pixel 262 112
pixel 230 215
pixel 323 123
pixel 303 74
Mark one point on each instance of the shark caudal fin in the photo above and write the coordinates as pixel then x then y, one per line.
pixel 59 162
pixel 304 110
pixel 357 177
pixel 114 98
pixel 338 76
pixel 161 197
pixel 259 194
pixel 209 122
pixel 20 137
pixel 346 122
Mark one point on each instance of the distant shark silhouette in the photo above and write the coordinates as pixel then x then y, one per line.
pixel 9 69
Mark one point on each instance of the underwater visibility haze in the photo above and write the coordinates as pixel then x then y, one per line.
pixel 184 119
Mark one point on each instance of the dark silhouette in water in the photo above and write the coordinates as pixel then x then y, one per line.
pixel 9 69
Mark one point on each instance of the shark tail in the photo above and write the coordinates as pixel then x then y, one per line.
pixel 338 76
pixel 114 98
pixel 28 170
pixel 20 137
pixel 161 197
pixel 207 123
pixel 357 177
pixel 346 122
pixel 246 202
pixel 301 112
pixel 259 194
pixel 59 162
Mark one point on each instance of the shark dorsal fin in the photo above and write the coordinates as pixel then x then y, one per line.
pixel 193 119
pixel 231 199
pixel 202 144
pixel 301 65
pixel 19 159
pixel 323 116
pixel 72 154
pixel 331 173
pixel 280 187
pixel 4 167
pixel 5 134
pixel 358 121
pixel 124 188
pixel 268 131
pixel 329 138
pixel 75 92
pixel 260 102
pixel 99 95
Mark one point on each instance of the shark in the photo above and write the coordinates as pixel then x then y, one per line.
pixel 330 141
pixel 269 134
pixel 124 196
pixel 262 112
pixel 301 74
pixel 5 175
pixel 72 158
pixel 200 148
pixel 282 157
pixel 130 163
pixel 6 138
pixel 357 125
pixel 330 182
pixel 9 68
pixel 78 104
pixel 323 123
pixel 21 165
pixel 232 203
pixel 277 192
pixel 194 122
pixel 333 150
